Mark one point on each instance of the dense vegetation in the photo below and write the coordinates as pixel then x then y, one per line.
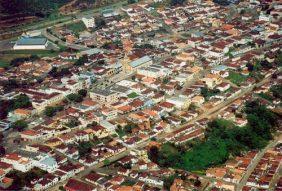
pixel 51 111
pixel 20 101
pixel 22 179
pixel 32 7
pixel 225 2
pixel 207 93
pixel 223 140
pixel 276 91
pixel 19 125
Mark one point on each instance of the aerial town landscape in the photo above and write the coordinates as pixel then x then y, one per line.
pixel 148 95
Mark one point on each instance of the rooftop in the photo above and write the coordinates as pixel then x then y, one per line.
pixel 140 61
pixel 32 41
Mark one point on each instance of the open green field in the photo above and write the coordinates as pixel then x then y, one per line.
pixel 7 56
pixel 76 27
pixel 237 78
pixel 4 64
pixel 132 95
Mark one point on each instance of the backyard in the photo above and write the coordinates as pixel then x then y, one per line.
pixel 237 78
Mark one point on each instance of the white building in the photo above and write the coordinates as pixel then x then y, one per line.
pixel 104 96
pixel 179 102
pixel 45 162
pixel 31 43
pixel 19 163
pixel 153 71
pixel 89 22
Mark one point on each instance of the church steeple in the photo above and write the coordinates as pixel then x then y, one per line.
pixel 127 47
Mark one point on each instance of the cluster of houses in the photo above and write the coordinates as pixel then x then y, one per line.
pixel 233 171
pixel 265 170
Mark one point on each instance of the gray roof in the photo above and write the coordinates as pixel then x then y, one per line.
pixel 120 89
pixel 140 61
pixel 105 92
pixel 92 51
pixel 32 41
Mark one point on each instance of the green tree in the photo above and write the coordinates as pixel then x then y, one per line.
pixel 82 92
pixel 100 22
pixel 153 154
pixel 84 148
pixel 177 2
pixel 107 162
pixel 50 111
pixel 81 61
pixel 276 91
pixel 21 101
pixel 19 125
pixel 73 123
pixel 169 181
pixel 128 128
pixel 204 155
pixel 74 97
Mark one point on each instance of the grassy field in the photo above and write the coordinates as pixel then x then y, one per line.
pixel 237 78
pixel 7 56
pixel 4 64
pixel 132 95
pixel 76 27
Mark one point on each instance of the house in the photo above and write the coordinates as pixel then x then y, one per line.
pixel 5 167
pixel 223 86
pixel 220 70
pixel 123 171
pixel 179 102
pixel 77 185
pixel 93 178
pixel 30 135
pixel 46 182
pixel 20 163
pixel 45 162
pixel 18 114
pixel 104 96
pixel 189 136
pixel 211 80
pixel 151 180
pixel 81 136
pixel 168 107
pixel 117 180
pixel 98 131
pixel 89 22
pixel 198 100
pixel 186 56
pixel 70 169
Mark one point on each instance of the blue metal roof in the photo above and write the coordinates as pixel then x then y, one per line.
pixel 50 161
pixel 220 68
pixel 140 61
pixel 32 41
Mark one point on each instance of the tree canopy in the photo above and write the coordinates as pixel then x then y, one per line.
pixel 51 111
pixel 19 125
pixel 276 91
pixel 75 97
